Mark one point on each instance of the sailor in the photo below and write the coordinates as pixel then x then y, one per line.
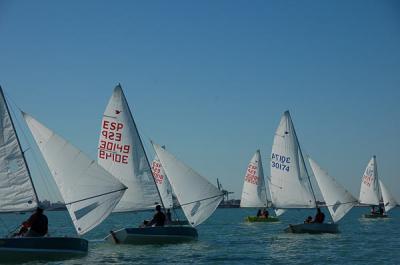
pixel 259 213
pixel 37 225
pixel 158 218
pixel 319 217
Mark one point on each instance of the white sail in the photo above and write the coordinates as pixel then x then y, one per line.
pixel 197 196
pixel 89 191
pixel 278 212
pixel 370 192
pixel 162 183
pixel 388 200
pixel 16 189
pixel 254 193
pixel 290 186
pixel 121 153
pixel 338 200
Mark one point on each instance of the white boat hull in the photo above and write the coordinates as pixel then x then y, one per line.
pixel 47 248
pixel 313 228
pixel 152 235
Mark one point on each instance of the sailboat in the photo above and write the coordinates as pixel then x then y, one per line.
pixel 121 152
pixel 88 200
pixel 196 195
pixel 254 193
pixel 372 192
pixel 290 181
pixel 338 201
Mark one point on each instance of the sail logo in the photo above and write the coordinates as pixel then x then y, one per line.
pixel 280 162
pixel 156 169
pixel 111 146
pixel 367 180
pixel 251 174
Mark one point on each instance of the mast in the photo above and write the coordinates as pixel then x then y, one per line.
pixel 144 151
pixel 19 146
pixel 304 163
pixel 377 180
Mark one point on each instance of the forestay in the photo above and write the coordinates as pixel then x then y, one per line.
pixel 121 153
pixel 388 200
pixel 197 196
pixel 162 182
pixel 16 188
pixel 254 193
pixel 338 200
pixel 290 185
pixel 89 192
pixel 370 192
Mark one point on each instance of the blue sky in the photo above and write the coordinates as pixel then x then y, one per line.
pixel 210 79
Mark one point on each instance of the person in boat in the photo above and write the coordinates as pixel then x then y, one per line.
pixel 319 217
pixel 158 218
pixel 265 213
pixel 168 215
pixel 35 226
pixel 381 211
pixel 308 220
pixel 259 213
pixel 373 210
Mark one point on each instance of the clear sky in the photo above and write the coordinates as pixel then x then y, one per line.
pixel 210 79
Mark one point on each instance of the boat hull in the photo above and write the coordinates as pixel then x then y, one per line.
pixel 48 248
pixel 313 228
pixel 255 219
pixel 374 216
pixel 153 235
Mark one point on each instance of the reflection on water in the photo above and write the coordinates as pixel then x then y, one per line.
pixel 227 239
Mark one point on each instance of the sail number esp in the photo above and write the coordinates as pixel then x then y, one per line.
pixel 110 146
pixel 280 162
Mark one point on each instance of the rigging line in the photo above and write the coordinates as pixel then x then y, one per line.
pixel 95 196
pixel 221 195
pixel 141 142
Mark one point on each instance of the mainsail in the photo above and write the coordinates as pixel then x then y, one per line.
pixel 338 200
pixel 388 200
pixel 290 185
pixel 89 191
pixel 162 183
pixel 197 196
pixel 121 153
pixel 370 192
pixel 17 192
pixel 254 193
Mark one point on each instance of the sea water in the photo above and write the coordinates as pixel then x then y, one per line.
pixel 225 238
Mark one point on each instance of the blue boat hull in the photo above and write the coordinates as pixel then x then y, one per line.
pixel 47 248
pixel 153 235
pixel 313 228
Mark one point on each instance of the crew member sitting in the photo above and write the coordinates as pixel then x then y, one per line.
pixel 158 218
pixel 37 223
pixel 319 217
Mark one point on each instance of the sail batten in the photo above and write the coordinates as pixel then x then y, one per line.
pixel 17 191
pixel 91 190
pixel 121 153
pixel 197 196
pixel 290 185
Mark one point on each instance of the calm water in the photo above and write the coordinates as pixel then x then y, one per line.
pixel 226 239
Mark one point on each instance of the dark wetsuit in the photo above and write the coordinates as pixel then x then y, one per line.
pixel 319 218
pixel 38 224
pixel 158 219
